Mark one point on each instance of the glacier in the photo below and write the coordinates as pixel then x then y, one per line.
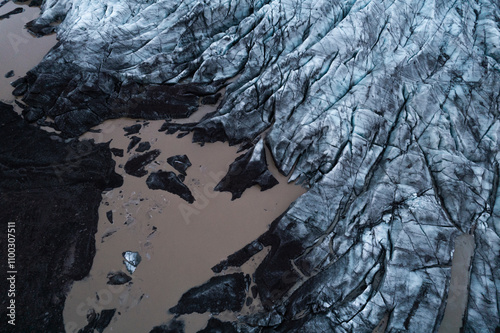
pixel 387 110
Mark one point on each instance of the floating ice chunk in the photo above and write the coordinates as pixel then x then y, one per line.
pixel 132 260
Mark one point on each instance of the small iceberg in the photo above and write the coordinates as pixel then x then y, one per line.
pixel 132 260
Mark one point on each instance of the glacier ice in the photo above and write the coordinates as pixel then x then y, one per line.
pixel 387 110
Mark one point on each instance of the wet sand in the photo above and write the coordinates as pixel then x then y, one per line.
pixel 20 51
pixel 179 242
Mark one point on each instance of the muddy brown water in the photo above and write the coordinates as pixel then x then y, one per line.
pixel 179 242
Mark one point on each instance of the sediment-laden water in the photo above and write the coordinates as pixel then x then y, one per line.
pixel 179 242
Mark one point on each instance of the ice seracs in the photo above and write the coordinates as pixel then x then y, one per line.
pixel 383 108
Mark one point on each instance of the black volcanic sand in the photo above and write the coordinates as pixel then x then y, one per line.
pixel 52 191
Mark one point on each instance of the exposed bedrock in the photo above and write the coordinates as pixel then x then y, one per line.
pixel 52 191
pixel 387 110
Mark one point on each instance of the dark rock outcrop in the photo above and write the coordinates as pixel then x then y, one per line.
pixel 9 74
pixel 143 146
pixel 133 129
pixel 171 128
pixel 98 321
pixel 109 216
pixel 52 191
pixel 240 257
pixel 175 326
pixel 118 278
pixel 168 181
pixel 134 140
pixel 220 293
pixel 180 163
pixel 246 171
pixel 15 11
pixel 117 152
pixel 214 325
pixel 212 99
pixel 135 165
